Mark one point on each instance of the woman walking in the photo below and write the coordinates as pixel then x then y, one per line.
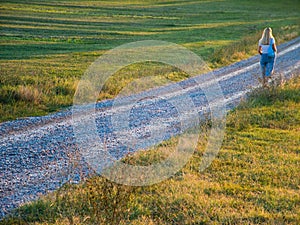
pixel 267 49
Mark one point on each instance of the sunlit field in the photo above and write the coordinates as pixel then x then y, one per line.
pixel 47 45
pixel 45 48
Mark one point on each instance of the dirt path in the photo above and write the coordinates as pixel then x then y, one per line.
pixel 37 154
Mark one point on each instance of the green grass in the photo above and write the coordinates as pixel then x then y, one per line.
pixel 253 180
pixel 47 45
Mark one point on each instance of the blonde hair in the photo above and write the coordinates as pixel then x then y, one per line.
pixel 266 36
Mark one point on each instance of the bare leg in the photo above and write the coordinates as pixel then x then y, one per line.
pixel 264 78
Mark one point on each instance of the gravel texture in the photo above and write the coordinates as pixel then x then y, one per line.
pixel 39 154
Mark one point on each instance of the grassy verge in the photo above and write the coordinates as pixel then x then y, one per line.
pixel 47 46
pixel 253 180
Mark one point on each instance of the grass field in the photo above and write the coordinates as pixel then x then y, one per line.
pixel 253 180
pixel 47 45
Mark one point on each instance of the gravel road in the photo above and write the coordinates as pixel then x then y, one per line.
pixel 39 154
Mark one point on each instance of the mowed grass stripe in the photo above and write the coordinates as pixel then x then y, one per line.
pixel 99 21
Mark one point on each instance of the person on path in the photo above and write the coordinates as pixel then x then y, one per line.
pixel 267 49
